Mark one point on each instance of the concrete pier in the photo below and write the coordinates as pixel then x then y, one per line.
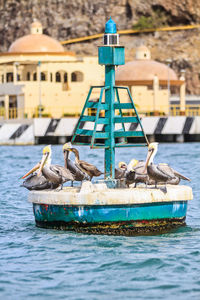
pixel 58 131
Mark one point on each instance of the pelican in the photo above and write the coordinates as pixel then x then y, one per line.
pixel 55 174
pixel 35 182
pixel 84 166
pixel 77 172
pixel 137 172
pixel 129 173
pixel 162 172
pixel 120 172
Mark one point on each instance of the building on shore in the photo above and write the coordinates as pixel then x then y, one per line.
pixel 39 78
pixel 151 83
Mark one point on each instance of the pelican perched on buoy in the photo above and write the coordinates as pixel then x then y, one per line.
pixel 84 166
pixel 161 173
pixel 35 182
pixel 78 174
pixel 55 174
pixel 130 174
pixel 137 173
pixel 120 172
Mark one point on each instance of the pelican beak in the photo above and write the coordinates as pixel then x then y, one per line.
pixel 43 161
pixel 31 171
pixel 66 154
pixel 149 154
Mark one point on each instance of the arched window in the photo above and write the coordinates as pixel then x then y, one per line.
pixel 35 76
pixel 65 77
pixel 28 76
pixel 58 77
pixel 42 76
pixel 77 76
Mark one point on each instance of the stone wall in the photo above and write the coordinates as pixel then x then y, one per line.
pixel 69 19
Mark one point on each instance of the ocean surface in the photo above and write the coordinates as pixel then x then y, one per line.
pixel 37 263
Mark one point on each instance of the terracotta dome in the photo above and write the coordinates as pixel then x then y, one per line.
pixel 36 42
pixel 143 68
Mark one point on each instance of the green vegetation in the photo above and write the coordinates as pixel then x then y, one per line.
pixel 157 19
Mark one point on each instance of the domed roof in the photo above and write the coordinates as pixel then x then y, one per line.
pixel 143 68
pixel 36 42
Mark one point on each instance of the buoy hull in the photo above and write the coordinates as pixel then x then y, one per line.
pixel 97 209
pixel 112 219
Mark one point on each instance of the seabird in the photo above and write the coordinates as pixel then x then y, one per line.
pixel 35 182
pixel 84 166
pixel 78 174
pixel 120 172
pixel 55 174
pixel 161 173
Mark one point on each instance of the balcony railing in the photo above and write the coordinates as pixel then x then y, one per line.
pixel 59 112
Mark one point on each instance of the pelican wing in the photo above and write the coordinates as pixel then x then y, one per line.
pixel 166 169
pixel 89 167
pixel 156 174
pixel 63 172
pixel 140 168
pixel 119 173
pixel 78 174
pixel 180 175
pixel 35 182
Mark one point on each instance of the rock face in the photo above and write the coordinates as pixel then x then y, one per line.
pixel 64 20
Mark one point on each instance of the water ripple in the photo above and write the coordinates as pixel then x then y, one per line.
pixel 48 264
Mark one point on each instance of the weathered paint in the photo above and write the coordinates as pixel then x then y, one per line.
pixel 112 213
pixel 94 208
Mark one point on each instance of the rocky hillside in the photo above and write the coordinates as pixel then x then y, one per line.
pixel 69 19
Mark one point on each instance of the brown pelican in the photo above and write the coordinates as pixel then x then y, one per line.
pixel 77 172
pixel 137 173
pixel 35 182
pixel 84 166
pixel 54 174
pixel 161 173
pixel 130 174
pixel 120 172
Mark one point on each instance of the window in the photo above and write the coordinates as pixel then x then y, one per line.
pixel 51 77
pixel 9 77
pixel 28 76
pixel 35 76
pixel 65 77
pixel 58 77
pixel 42 76
pixel 77 76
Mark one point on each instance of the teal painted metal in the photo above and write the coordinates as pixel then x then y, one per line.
pixel 111 55
pixel 110 213
pixel 108 108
